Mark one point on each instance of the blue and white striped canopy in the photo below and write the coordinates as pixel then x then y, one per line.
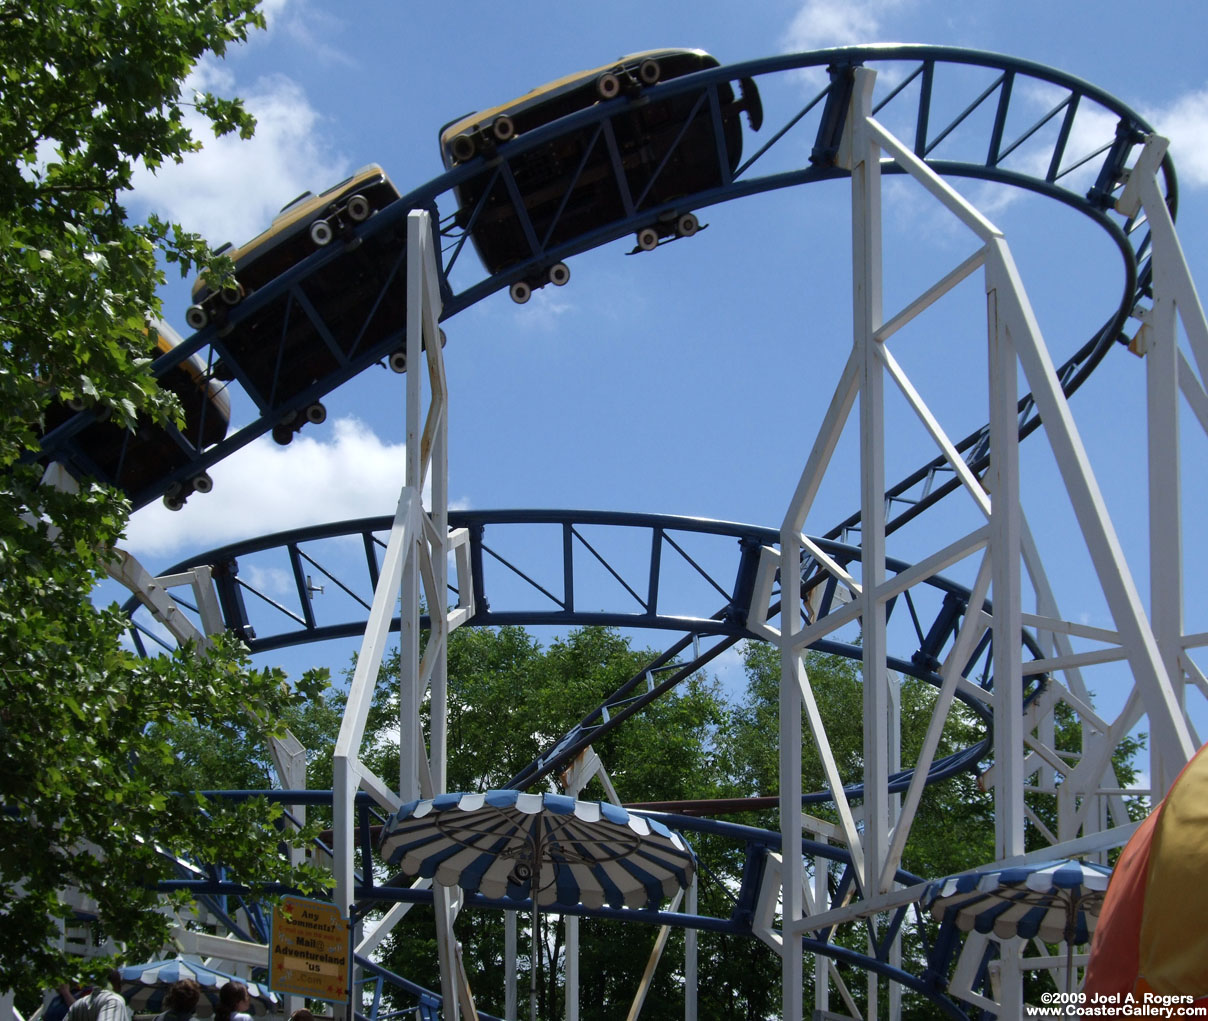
pixel 144 987
pixel 504 844
pixel 1049 899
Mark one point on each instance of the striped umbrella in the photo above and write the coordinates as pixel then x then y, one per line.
pixel 549 848
pixel 1057 901
pixel 559 851
pixel 144 987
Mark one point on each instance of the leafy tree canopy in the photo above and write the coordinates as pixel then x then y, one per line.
pixel 90 90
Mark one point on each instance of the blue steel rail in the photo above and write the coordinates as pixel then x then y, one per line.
pixel 582 546
pixel 966 143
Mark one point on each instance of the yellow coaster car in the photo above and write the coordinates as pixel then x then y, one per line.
pixel 279 351
pixel 135 459
pixel 666 147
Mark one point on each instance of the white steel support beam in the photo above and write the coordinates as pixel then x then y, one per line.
pixel 1174 297
pixel 1165 498
pixel 652 963
pixel 867 318
pixel 1166 719
pixel 691 952
pixel 1086 790
pixel 793 866
pixel 415 563
pixel 1006 552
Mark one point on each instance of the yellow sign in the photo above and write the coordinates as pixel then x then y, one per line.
pixel 312 950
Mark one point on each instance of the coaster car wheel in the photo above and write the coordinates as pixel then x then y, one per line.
pixel 503 128
pixel 197 317
pixel 648 239
pixel 520 292
pixel 321 233
pixel 649 71
pixel 608 86
pixel 464 148
pixel 358 208
pixel 559 274
pixel 174 498
pixel 687 225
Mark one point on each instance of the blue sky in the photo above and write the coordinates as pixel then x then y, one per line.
pixel 664 382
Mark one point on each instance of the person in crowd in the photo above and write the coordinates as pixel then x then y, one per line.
pixel 99 1003
pixel 234 1004
pixel 64 996
pixel 181 1001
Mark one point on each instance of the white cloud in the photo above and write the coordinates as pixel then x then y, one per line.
pixel 271 580
pixel 232 188
pixel 543 310
pixel 273 10
pixel 823 23
pixel 1185 123
pixel 310 27
pixel 345 472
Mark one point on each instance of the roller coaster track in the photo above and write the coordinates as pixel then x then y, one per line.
pixel 994 131
pixel 918 73
pixel 991 130
pixel 638 562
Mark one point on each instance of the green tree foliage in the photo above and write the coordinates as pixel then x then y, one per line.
pixel 90 90
pixel 509 698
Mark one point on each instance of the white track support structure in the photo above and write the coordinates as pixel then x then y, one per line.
pixel 1089 803
pixel 1168 372
pixel 415 560
pixel 287 752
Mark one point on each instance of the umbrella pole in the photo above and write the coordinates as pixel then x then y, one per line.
pixel 1071 924
pixel 533 965
pixel 537 836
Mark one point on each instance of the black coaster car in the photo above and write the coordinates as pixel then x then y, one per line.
pixel 352 305
pixel 666 148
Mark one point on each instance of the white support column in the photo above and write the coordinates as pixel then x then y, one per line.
pixel 793 870
pixel 1175 298
pixel 415 560
pixel 509 965
pixel 411 742
pixel 690 954
pixel 822 969
pixel 1005 538
pixel 574 780
pixel 1168 725
pixel 1165 501
pixel 866 321
pixel 1158 341
pixel 894 993
pixel 571 967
